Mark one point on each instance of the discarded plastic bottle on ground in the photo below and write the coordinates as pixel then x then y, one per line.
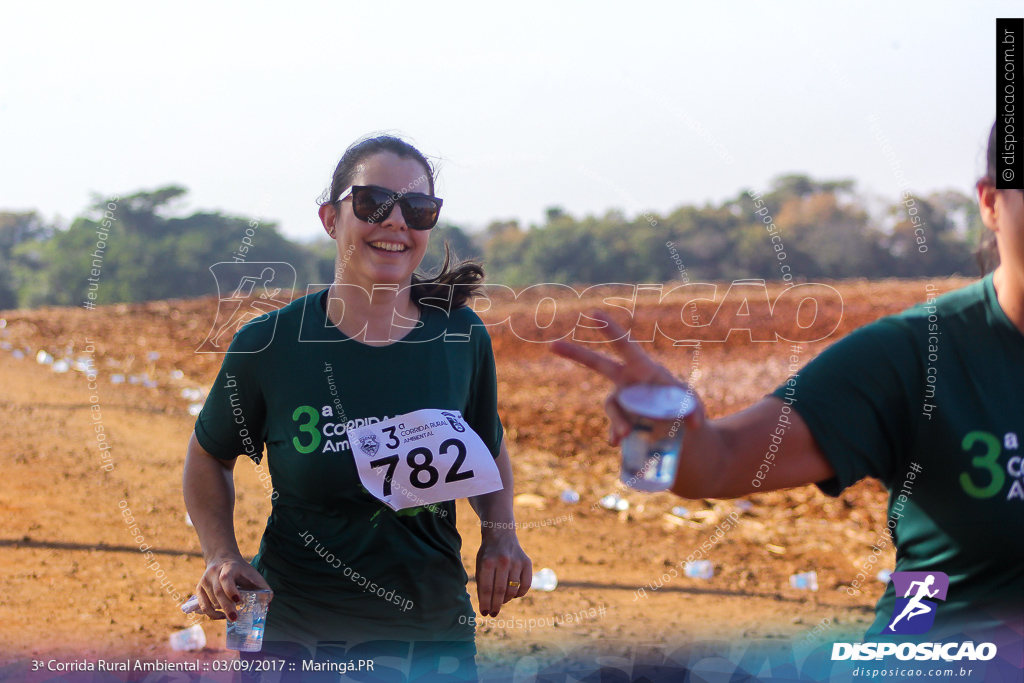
pixel 191 638
pixel 680 511
pixel 60 366
pixel 43 358
pixel 701 569
pixel 883 575
pixel 614 501
pixel 807 581
pixel 570 496
pixel 545 580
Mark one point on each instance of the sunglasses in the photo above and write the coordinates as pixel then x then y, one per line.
pixel 374 204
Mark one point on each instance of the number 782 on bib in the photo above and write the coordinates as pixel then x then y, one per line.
pixel 423 457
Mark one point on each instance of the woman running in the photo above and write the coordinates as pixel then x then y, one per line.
pixel 376 400
pixel 859 410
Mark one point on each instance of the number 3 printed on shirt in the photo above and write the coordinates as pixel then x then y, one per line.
pixel 309 427
pixel 989 460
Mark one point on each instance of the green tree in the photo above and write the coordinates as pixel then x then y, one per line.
pixel 21 235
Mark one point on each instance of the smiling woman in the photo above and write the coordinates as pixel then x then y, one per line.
pixel 389 182
pixel 380 504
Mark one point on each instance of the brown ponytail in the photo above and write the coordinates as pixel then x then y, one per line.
pixel 468 275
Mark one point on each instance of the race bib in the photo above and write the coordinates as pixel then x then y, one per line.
pixel 423 457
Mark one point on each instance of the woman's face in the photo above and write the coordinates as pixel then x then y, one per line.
pixel 1002 211
pixel 386 252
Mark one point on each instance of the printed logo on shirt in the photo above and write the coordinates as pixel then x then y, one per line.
pixel 317 432
pixel 914 613
pixel 989 477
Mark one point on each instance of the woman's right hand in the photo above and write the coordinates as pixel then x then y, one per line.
pixel 217 590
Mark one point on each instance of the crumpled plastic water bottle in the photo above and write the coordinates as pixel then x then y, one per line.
pixel 570 496
pixel 807 581
pixel 191 638
pixel 701 569
pixel 545 580
pixel 614 501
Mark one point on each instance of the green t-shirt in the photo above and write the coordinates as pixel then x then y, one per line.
pixel 342 564
pixel 931 402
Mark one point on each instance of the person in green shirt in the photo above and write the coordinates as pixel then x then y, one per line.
pixel 361 547
pixel 930 402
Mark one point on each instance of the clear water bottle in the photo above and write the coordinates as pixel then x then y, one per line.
pixel 701 569
pixel 570 496
pixel 680 511
pixel 246 633
pixel 884 575
pixel 191 638
pixel 545 580
pixel 650 453
pixel 806 581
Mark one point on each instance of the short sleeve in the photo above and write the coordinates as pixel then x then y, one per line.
pixel 856 398
pixel 482 411
pixel 232 418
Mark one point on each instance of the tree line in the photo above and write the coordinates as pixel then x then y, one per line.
pixel 817 229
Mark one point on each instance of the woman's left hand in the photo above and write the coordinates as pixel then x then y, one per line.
pixel 499 563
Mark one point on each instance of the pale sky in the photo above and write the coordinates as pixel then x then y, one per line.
pixel 590 106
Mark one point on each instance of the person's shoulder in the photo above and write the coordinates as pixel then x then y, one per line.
pixel 463 319
pixel 961 303
pixel 889 341
pixel 891 331
pixel 261 331
pixel 464 323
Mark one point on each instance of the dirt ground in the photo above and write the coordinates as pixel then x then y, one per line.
pixel 73 582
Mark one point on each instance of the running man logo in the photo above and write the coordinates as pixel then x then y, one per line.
pixel 914 614
pixel 254 292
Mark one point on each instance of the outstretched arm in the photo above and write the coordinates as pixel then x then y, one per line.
pixel 723 458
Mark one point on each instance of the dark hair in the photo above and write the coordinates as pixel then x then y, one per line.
pixel 465 273
pixel 988 250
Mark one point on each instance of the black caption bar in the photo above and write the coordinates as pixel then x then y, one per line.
pixel 1009 62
